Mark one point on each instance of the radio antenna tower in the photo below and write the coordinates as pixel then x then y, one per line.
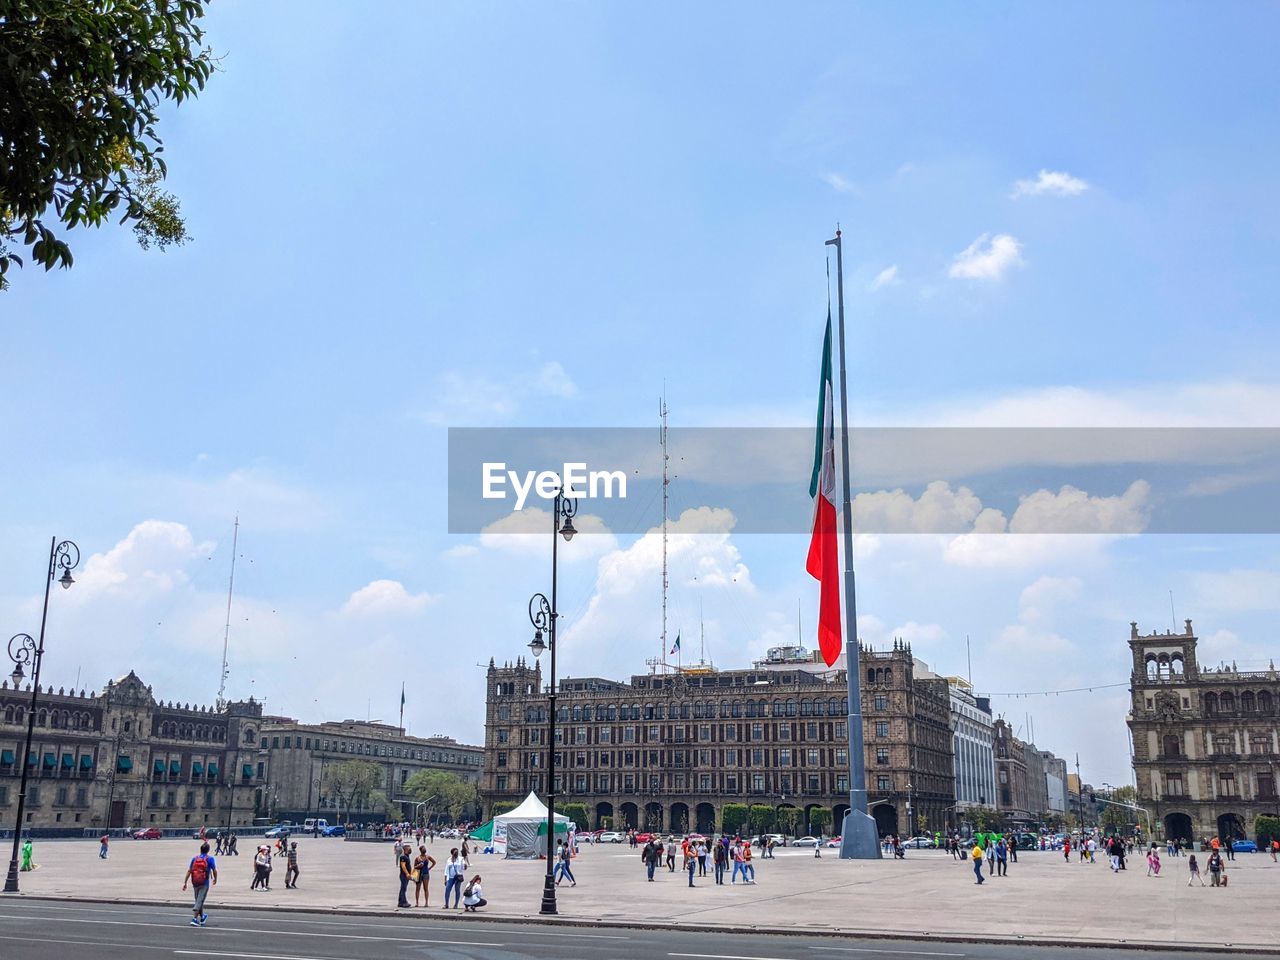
pixel 226 630
pixel 666 480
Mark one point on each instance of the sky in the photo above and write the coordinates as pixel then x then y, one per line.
pixel 409 217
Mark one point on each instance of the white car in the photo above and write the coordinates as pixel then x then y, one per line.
pixel 806 842
pixel 778 839
pixel 611 836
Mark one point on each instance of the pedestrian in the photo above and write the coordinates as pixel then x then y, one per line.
pixel 202 872
pixel 976 854
pixel 690 864
pixel 1195 871
pixel 106 840
pixel 1230 845
pixel 234 848
pixel 1153 861
pixel 1216 869
pixel 702 858
pixel 454 871
pixel 719 858
pixel 1275 847
pixel 422 876
pixel 735 852
pixel 260 859
pixel 671 855
pixel 473 896
pixel 1002 859
pixel 748 868
pixel 649 857
pixel 291 871
pixel 404 870
pixel 1066 850
pixel 1012 842
pixel 1114 850
pixel 564 855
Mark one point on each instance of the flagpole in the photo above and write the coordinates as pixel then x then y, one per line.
pixel 401 706
pixel 859 837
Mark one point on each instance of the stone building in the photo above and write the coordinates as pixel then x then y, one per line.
pixel 122 758
pixel 301 756
pixel 1205 740
pixel 1011 774
pixel 971 743
pixel 669 751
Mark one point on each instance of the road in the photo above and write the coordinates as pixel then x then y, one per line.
pixel 43 930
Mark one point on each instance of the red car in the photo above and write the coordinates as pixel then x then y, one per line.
pixel 150 833
pixel 645 837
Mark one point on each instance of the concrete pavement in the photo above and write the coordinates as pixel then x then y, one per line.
pixel 929 895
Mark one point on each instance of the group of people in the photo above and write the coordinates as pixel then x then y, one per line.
pixel 417 869
pixel 695 852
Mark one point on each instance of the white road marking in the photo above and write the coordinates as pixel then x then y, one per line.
pixel 253 956
pixel 363 920
pixel 271 932
pixel 904 953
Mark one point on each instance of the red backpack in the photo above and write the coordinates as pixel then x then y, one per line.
pixel 200 871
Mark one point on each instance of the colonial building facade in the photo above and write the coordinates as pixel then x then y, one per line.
pixel 1205 741
pixel 669 751
pixel 124 759
pixel 302 757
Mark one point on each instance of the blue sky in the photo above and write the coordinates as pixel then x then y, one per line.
pixel 411 216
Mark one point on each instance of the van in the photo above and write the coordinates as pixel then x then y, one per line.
pixel 313 825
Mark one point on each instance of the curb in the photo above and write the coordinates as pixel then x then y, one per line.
pixel 594 923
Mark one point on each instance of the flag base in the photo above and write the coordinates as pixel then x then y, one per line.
pixel 859 840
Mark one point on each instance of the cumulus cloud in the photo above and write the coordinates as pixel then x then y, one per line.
pixel 385 598
pixel 987 258
pixel 1033 633
pixel 478 399
pixel 1075 511
pixel 886 277
pixel 153 558
pixel 939 509
pixel 526 531
pixel 1050 182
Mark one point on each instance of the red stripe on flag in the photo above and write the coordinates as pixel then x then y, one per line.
pixel 823 564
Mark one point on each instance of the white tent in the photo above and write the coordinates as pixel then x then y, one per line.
pixel 520 834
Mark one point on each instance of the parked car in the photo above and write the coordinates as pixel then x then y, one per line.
pixel 806 842
pixel 921 842
pixel 148 833
pixel 337 830
pixel 646 837
pixel 834 842
pixel 281 830
pixel 1244 846
pixel 778 839
pixel 611 836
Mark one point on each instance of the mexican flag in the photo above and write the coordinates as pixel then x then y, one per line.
pixel 823 562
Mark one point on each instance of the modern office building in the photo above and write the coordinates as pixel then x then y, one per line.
pixel 971 743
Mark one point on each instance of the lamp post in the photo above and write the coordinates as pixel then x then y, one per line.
pixel 64 556
pixel 543 616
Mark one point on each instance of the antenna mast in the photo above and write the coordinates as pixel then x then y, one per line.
pixel 666 480
pixel 226 630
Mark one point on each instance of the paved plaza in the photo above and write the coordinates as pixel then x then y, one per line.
pixel 929 893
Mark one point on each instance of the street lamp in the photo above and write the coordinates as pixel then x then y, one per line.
pixel 543 616
pixel 64 556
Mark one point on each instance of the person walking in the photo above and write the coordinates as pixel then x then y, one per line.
pixel 1011 841
pixel 233 847
pixel 564 854
pixel 748 868
pixel 259 868
pixel 1229 844
pixel 1066 850
pixel 454 871
pixel 671 855
pixel 1195 871
pixel 1002 858
pixel 1275 847
pixel 1114 849
pixel 291 869
pixel 404 870
pixel 976 855
pixel 1153 861
pixel 1216 869
pixel 702 858
pixel 691 864
pixel 105 841
pixel 473 896
pixel 649 857
pixel 422 870
pixel 718 858
pixel 735 853
pixel 202 873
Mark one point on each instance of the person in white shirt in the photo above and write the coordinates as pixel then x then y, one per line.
pixel 473 895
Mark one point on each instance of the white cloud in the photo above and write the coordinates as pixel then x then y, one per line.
pixel 1072 510
pixel 1055 183
pixel 1237 590
pixel 385 598
pixel 552 381
pixel 152 559
pixel 477 399
pixel 1025 551
pixel 839 183
pixel 987 258
pixel 1033 634
pixel 462 550
pixel 886 277
pixel 526 532
pixel 938 509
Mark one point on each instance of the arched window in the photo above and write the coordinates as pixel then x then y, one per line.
pixel 1246 702
pixel 1265 703
pixel 1210 704
pixel 888 675
pixel 42 718
pixel 248 735
pixel 1171 745
pixel 806 707
pixel 1152 668
pixel 752 710
pixel 1176 665
pixel 791 708
pixel 577 713
pixel 1227 703
pixel 871 675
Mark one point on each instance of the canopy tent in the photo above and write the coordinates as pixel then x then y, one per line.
pixel 482 833
pixel 521 834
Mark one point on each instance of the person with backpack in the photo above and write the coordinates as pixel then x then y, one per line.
pixel 1216 869
pixel 202 873
pixel 473 896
